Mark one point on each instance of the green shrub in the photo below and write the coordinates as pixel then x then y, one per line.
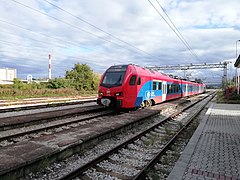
pixel 81 80
pixel 60 83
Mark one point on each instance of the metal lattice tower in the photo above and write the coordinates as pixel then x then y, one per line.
pixel 195 66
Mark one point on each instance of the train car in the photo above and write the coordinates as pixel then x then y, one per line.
pixel 131 86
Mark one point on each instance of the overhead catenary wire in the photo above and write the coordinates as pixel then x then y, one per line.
pixel 25 50
pixel 20 48
pixel 19 54
pixel 176 28
pixel 12 52
pixel 36 40
pixel 51 37
pixel 172 27
pixel 92 25
pixel 73 26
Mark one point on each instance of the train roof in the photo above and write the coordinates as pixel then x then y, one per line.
pixel 149 72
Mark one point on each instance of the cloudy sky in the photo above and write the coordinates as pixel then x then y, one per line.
pixel 102 33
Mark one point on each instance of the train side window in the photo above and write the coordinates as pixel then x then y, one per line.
pixel 190 88
pixel 154 85
pixel 132 80
pixel 139 81
pixel 168 88
pixel 159 86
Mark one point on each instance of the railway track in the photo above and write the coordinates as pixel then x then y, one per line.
pixel 14 120
pixel 73 137
pixel 37 124
pixel 29 105
pixel 132 158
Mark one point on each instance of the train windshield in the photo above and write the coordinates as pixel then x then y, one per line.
pixel 114 76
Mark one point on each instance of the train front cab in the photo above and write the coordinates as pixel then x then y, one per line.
pixel 110 88
pixel 118 87
pixel 130 89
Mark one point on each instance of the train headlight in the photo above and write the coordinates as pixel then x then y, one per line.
pixel 119 94
pixel 100 93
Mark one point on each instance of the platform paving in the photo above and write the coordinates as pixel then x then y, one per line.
pixel 213 152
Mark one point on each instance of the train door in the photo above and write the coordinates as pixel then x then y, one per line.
pixel 164 90
pixel 186 90
pixel 131 90
pixel 181 88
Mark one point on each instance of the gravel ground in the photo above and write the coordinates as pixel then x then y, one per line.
pixel 162 169
pixel 58 169
pixel 93 174
pixel 44 131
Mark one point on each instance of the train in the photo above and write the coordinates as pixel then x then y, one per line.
pixel 131 86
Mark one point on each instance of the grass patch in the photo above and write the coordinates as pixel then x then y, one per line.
pixel 13 94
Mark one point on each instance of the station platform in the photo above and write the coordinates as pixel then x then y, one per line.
pixel 213 152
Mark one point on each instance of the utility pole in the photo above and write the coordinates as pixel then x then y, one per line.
pixel 49 67
pixel 225 75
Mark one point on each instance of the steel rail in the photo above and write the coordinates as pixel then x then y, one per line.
pixel 17 134
pixel 11 122
pixel 77 172
pixel 43 105
pixel 142 173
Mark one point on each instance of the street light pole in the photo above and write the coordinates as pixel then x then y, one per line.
pixel 236 73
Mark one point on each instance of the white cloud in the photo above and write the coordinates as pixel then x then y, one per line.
pixel 210 27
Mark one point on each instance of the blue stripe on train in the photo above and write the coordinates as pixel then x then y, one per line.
pixel 147 93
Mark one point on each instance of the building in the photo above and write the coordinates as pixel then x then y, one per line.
pixel 7 75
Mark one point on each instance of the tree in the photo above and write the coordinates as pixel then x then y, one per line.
pixel 18 84
pixel 96 80
pixel 60 83
pixel 82 76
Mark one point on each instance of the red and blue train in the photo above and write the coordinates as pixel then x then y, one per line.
pixel 131 86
